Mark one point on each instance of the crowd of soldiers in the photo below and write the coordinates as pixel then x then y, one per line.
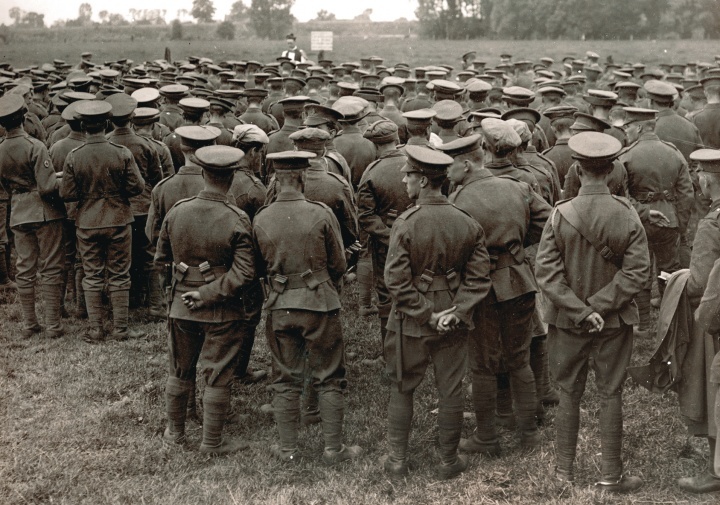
pixel 511 221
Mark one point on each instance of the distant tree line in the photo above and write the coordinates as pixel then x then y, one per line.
pixel 573 19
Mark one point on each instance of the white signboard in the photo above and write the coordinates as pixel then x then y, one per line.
pixel 321 41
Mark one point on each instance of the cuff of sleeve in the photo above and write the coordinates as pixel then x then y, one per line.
pixel 583 315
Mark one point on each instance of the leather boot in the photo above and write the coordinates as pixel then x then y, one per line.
pixel 567 425
pixel 505 417
pixel 709 481
pixel 156 301
pixel 216 404
pixel 30 326
pixel 52 297
pixel 120 301
pixel 80 306
pixel 541 371
pixel 450 420
pixel 286 409
pixel 176 398
pixel 522 384
pixel 611 427
pixel 94 306
pixel 310 413
pixel 400 413
pixel 332 411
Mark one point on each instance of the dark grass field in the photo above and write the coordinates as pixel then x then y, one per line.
pixel 81 425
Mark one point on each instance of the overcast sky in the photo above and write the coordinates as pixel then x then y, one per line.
pixel 304 10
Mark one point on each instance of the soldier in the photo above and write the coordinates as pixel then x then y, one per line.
pixel 381 198
pixel 171 115
pixel 358 151
pixel 325 118
pixel 148 98
pixel 292 108
pixel 703 272
pixel 512 216
pixel 392 92
pixel 32 124
pixel 669 126
pixel 171 190
pixel 591 312
pixel 518 97
pixel 618 178
pixel 543 169
pixel 304 307
pixel 660 189
pixel 696 100
pixel 213 264
pixel 249 194
pixel 148 161
pixel 36 214
pixel 707 119
pixel 103 218
pixel 143 120
pixel 323 186
pixel 254 113
pixel 436 272
pixel 561 118
pixel 601 103
pixel 73 270
pixel 477 90
pixel 421 100
pixel 501 140
pixel 447 119
pixel 218 108
pixel 194 110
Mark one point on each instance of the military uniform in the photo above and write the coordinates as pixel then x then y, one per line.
pixel 27 174
pixel 436 260
pixel 103 218
pixel 678 131
pixel 248 191
pixel 381 198
pixel 512 216
pixel 358 151
pixel 262 120
pixel 540 160
pixel 578 280
pixel 617 181
pixel 148 162
pixel 706 121
pixel 73 265
pixel 303 303
pixel 208 241
pixel 330 189
pixel 561 156
pixel 171 116
pixel 658 179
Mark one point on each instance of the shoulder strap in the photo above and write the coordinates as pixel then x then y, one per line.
pixel 571 215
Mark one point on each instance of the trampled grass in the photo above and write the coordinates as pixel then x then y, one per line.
pixel 81 424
